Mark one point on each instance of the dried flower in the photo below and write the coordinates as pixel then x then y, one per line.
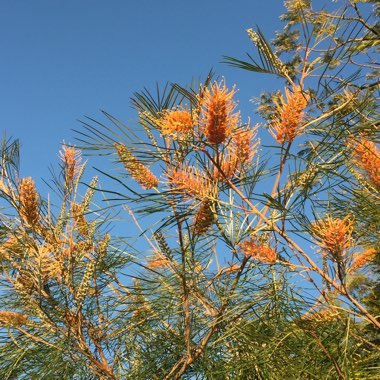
pixel 71 158
pixel 176 122
pixel 29 201
pixel 334 235
pixel 260 251
pixel 287 125
pixel 217 119
pixel 136 169
pixel 363 259
pixel 190 182
pixel 11 318
pixel 204 218
pixel 367 156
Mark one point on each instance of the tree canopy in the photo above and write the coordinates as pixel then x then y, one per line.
pixel 205 254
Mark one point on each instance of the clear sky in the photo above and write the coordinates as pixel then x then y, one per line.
pixel 61 60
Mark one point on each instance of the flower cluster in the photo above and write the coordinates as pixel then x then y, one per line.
pixel 363 259
pixel 217 117
pixel 191 182
pixel 12 318
pixel 334 235
pixel 176 122
pixel 367 156
pixel 260 251
pixel 29 201
pixel 243 145
pixel 286 126
pixel 136 169
pixel 158 261
pixel 204 218
pixel 71 158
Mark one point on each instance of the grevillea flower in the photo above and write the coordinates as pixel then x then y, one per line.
pixel 367 156
pixel 136 169
pixel 12 318
pixel 158 261
pixel 71 158
pixel 176 122
pixel 29 201
pixel 324 315
pixel 260 251
pixel 334 235
pixel 10 248
pixel 287 125
pixel 217 117
pixel 203 219
pixel 80 219
pixel 191 182
pixel 243 144
pixel 363 259
pixel 228 167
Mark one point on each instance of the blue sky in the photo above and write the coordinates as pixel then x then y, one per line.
pixel 62 60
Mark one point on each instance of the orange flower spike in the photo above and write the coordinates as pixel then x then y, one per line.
pixel 71 159
pixel 217 119
pixel 367 156
pixel 363 259
pixel 136 169
pixel 176 121
pixel 191 182
pixel 29 201
pixel 287 125
pixel 334 235
pixel 261 252
pixel 158 262
pixel 242 141
pixel 244 148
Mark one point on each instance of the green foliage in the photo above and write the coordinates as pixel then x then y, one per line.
pixel 234 262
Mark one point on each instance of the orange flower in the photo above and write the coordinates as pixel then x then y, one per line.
pixel 136 169
pixel 203 218
pixel 29 201
pixel 363 259
pixel 217 118
pixel 367 156
pixel 259 251
pixel 243 146
pixel 158 261
pixel 71 159
pixel 176 121
pixel 287 125
pixel 334 235
pixel 228 167
pixel 11 318
pixel 190 182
